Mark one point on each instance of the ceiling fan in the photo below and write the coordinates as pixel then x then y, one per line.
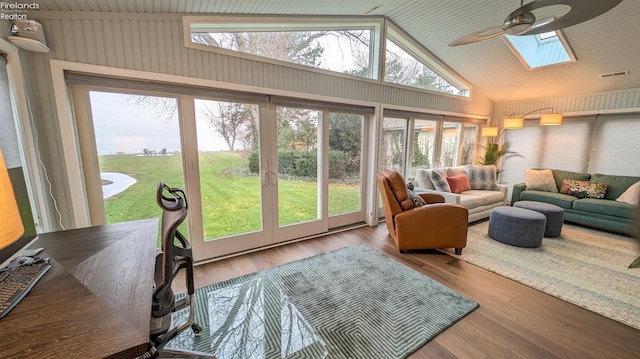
pixel 523 22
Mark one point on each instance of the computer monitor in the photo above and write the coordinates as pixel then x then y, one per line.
pixel 24 208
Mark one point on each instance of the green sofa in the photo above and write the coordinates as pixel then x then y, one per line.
pixel 605 214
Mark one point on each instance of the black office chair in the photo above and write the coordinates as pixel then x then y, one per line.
pixel 176 255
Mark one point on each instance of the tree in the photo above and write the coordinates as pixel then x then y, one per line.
pixel 345 135
pixel 231 120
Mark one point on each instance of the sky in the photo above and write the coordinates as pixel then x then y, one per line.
pixel 123 126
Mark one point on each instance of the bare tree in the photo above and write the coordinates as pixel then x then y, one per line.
pixel 231 120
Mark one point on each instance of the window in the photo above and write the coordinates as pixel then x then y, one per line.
pixel 408 64
pixel 548 48
pixel 423 145
pixel 411 141
pixel 338 47
pixel 349 46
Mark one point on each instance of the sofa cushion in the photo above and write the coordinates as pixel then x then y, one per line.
pixel 423 179
pixel 488 197
pixel 559 199
pixel 604 206
pixel 540 180
pixel 560 175
pixel 455 171
pixel 439 180
pixel 459 183
pixel 482 177
pixel 631 195
pixel 616 185
pixel 583 189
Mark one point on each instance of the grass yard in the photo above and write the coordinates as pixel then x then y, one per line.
pixel 230 194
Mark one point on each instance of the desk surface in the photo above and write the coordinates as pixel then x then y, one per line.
pixel 94 302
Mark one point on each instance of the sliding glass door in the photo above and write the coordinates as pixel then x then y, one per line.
pixel 128 142
pixel 255 173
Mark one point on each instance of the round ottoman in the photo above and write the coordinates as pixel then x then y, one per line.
pixel 517 226
pixel 554 214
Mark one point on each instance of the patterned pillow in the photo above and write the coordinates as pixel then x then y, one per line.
pixel 439 181
pixel 459 183
pixel 417 200
pixel 540 180
pixel 482 177
pixel 583 189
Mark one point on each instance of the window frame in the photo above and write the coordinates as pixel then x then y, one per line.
pixel 413 48
pixel 382 28
pixel 541 42
pixel 302 23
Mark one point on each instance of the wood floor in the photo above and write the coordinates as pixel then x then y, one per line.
pixel 513 321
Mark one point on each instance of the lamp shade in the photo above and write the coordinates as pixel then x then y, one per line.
pixel 11 228
pixel 551 119
pixel 489 131
pixel 513 123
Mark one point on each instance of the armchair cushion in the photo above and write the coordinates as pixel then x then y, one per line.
pixel 399 188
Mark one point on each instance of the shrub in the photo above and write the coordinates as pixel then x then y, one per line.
pixel 306 164
pixel 338 164
pixel 286 162
pixel 254 162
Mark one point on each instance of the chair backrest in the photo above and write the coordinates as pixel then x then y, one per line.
pixel 176 249
pixel 395 197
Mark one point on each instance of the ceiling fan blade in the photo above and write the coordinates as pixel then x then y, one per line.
pixel 480 35
pixel 581 11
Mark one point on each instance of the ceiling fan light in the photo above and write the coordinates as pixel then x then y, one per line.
pixel 519 23
pixel 551 119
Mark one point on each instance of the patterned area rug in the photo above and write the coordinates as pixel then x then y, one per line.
pixel 583 266
pixel 353 302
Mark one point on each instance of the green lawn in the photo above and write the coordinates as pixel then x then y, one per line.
pixel 230 195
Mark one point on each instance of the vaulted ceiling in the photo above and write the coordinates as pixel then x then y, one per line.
pixel 608 43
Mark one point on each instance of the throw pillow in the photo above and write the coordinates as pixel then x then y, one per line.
pixel 540 180
pixel 454 171
pixel 583 189
pixel 439 181
pixel 631 195
pixel 417 200
pixel 459 183
pixel 482 177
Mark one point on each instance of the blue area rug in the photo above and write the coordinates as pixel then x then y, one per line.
pixel 354 302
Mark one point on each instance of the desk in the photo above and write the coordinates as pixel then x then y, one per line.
pixel 94 302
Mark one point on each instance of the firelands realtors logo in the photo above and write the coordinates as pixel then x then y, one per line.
pixel 15 10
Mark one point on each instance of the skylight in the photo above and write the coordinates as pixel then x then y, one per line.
pixel 548 48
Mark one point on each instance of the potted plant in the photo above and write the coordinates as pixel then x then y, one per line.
pixel 497 155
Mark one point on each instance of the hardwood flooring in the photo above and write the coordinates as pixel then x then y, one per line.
pixel 513 320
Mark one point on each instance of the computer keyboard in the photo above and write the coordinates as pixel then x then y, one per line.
pixel 16 282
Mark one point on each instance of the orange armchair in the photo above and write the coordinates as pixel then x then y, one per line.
pixel 436 225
